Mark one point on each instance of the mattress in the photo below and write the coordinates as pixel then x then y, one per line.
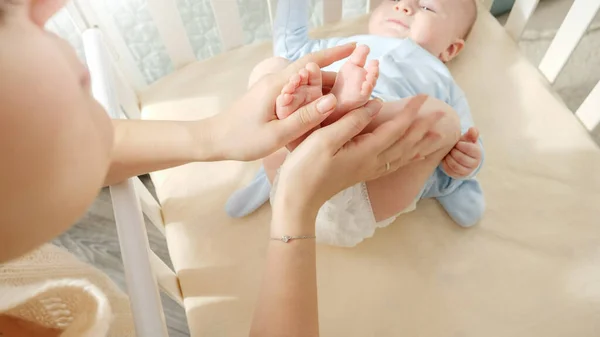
pixel 134 22
pixel 530 268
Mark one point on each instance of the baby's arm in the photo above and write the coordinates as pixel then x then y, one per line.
pixel 290 31
pixel 466 158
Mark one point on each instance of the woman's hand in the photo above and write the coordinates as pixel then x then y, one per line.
pixel 250 130
pixel 334 157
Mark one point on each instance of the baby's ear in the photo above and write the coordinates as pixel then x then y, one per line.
pixel 452 51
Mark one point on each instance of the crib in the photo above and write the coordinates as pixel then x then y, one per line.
pixel 530 268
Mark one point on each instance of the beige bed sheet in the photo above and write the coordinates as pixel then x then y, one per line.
pixel 531 268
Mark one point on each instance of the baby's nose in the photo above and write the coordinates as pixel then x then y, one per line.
pixel 405 9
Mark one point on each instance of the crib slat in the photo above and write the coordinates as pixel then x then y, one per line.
pixel 166 278
pixel 519 16
pixel 589 111
pixel 95 15
pixel 567 38
pixel 227 16
pixel 150 206
pixel 372 4
pixel 141 283
pixel 142 286
pixel 172 32
pixel 75 15
pixel 332 11
pixel 127 97
pixel 487 4
pixel 272 6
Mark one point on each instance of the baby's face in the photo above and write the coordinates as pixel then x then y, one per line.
pixel 436 25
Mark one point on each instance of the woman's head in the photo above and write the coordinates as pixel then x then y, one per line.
pixel 55 139
pixel 439 26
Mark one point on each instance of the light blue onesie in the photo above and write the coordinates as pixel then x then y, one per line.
pixel 406 70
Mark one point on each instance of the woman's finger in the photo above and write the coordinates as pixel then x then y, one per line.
pixel 295 143
pixel 428 145
pixel 322 58
pixel 463 159
pixel 304 119
pixel 406 147
pixel 347 127
pixel 389 132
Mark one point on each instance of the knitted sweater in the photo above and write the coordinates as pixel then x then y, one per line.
pixel 51 288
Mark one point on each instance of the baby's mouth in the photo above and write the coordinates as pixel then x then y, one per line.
pixel 398 23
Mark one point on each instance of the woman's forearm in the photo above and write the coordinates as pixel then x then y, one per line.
pixel 287 304
pixel 143 146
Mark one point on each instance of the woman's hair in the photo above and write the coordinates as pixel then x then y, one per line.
pixel 4 4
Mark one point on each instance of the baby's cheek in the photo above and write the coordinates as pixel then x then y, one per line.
pixel 428 37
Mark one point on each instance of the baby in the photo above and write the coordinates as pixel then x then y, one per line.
pixel 403 55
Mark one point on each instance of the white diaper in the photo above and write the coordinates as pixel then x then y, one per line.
pixel 347 218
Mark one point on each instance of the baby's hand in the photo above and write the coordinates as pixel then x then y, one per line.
pixel 465 157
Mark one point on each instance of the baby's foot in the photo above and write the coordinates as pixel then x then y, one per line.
pixel 303 88
pixel 354 83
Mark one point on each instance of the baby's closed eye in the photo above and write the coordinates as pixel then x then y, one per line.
pixel 427 7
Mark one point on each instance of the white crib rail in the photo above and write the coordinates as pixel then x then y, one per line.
pixel 519 16
pixel 589 111
pixel 567 38
pixel 271 6
pixel 92 14
pixel 372 4
pixel 227 16
pixel 170 27
pixel 141 282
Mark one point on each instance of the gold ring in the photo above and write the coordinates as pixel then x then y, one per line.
pixel 387 166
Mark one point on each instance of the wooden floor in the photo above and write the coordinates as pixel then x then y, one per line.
pixel 94 240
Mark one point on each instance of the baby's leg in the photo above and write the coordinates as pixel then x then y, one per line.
pixel 391 194
pixel 273 162
pixel 354 83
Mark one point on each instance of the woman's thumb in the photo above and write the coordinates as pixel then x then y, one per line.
pixel 353 123
pixel 307 117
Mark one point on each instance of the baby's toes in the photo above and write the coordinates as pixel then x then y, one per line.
pixel 284 106
pixel 304 76
pixel 314 74
pixel 359 56
pixel 366 89
pixel 292 85
pixel 284 100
